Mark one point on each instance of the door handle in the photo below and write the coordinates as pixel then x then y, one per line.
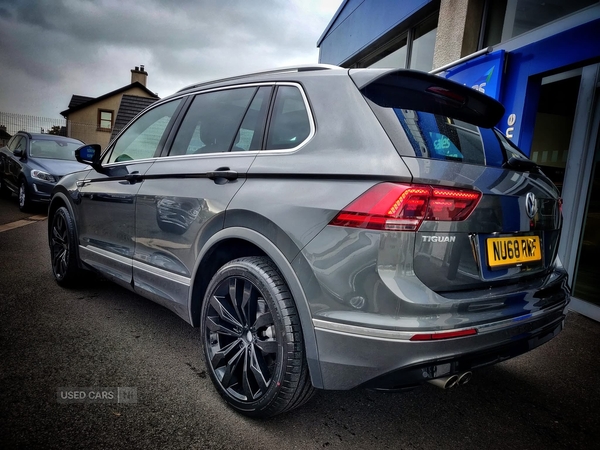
pixel 134 177
pixel 222 173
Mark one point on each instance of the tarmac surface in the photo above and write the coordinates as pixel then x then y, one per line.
pixel 103 336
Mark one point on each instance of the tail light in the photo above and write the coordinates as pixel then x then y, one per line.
pixel 403 207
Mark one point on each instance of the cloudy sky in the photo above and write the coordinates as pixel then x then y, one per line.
pixel 52 49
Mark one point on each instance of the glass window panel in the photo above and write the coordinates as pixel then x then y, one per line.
pixel 211 123
pixel 290 124
pixel 250 134
pixel 396 59
pixel 142 138
pixel 106 118
pixel 588 265
pixel 423 46
pixel 509 18
pixel 554 121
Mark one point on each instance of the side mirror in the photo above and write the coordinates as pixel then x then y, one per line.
pixel 89 154
pixel 19 153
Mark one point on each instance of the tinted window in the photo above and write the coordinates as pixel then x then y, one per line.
pixel 142 138
pixel 440 137
pixel 437 136
pixel 290 124
pixel 212 122
pixel 250 134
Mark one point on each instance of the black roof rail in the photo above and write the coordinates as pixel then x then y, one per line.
pixel 300 68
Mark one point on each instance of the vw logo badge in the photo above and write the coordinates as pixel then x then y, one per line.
pixel 530 205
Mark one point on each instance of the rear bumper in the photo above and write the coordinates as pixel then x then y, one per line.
pixel 349 357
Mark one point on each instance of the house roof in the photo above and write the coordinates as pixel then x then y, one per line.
pixel 72 108
pixel 131 106
pixel 77 100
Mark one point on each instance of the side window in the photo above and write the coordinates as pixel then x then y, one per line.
pixel 212 122
pixel 142 138
pixel 21 144
pixel 11 143
pixel 290 124
pixel 250 134
pixel 14 143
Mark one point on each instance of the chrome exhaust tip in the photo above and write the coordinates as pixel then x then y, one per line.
pixel 445 382
pixel 464 378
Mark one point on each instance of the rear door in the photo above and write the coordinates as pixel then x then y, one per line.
pixel 183 198
pixel 13 164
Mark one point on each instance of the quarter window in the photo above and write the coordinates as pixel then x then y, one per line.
pixel 212 122
pixel 142 139
pixel 290 124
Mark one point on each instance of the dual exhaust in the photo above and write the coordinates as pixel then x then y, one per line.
pixel 452 380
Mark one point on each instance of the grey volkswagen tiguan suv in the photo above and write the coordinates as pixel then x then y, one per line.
pixel 324 228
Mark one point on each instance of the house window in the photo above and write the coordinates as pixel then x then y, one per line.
pixel 412 49
pixel 506 19
pixel 105 119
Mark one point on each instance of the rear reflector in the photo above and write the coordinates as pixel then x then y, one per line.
pixel 403 207
pixel 443 335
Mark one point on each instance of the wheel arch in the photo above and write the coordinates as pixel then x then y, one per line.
pixel 59 199
pixel 238 242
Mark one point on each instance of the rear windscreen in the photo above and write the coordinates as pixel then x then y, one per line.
pixel 437 136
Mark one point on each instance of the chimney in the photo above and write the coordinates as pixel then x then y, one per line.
pixel 139 74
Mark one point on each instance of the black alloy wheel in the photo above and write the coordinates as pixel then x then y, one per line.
pixel 62 247
pixel 24 203
pixel 252 339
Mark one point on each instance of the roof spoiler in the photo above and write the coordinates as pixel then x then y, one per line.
pixel 412 89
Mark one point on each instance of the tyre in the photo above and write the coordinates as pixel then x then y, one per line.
pixel 24 202
pixel 252 339
pixel 63 242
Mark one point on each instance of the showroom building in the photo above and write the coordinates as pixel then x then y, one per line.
pixel 541 59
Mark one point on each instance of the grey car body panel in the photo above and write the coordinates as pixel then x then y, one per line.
pixel 180 187
pixel 350 360
pixel 353 288
pixel 107 218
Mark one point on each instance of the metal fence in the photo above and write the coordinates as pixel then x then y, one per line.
pixel 33 124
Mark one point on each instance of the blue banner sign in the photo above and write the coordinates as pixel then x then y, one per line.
pixel 483 73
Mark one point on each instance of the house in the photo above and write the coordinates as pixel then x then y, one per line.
pixel 130 107
pixel 95 120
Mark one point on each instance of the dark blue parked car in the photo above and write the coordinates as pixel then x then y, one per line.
pixel 31 164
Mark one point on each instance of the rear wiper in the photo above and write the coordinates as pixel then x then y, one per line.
pixel 524 165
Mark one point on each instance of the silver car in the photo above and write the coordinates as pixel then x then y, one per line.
pixel 324 228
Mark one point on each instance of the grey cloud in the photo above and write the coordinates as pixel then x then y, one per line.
pixel 70 42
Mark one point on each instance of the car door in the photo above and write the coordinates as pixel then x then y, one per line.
pixel 15 163
pixel 184 195
pixel 106 209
